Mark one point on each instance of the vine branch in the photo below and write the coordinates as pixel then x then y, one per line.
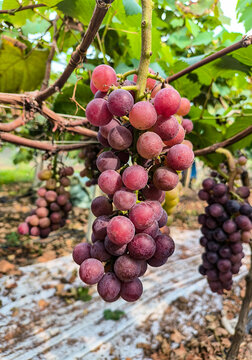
pixel 79 54
pixel 244 42
pixel 21 8
pixel 225 143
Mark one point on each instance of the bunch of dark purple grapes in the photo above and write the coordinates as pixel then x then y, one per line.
pixel 89 155
pixel 226 224
pixel 53 204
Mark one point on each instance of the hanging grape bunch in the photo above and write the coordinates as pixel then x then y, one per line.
pixel 143 160
pixel 53 203
pixel 89 155
pixel 226 224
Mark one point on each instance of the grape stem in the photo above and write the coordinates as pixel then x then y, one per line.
pixel 243 316
pixel 231 166
pixel 146 53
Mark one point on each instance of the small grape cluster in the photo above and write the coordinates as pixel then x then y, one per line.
pixel 126 233
pixel 225 225
pixel 53 204
pixel 89 155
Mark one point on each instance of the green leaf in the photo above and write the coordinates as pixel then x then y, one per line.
pixel 180 38
pixel 113 315
pixel 79 9
pixel 200 7
pixel 38 25
pixel 192 27
pixel 244 55
pixel 240 123
pixel 177 22
pixel 187 88
pixel 131 7
pixel 63 104
pixel 18 71
pixel 204 38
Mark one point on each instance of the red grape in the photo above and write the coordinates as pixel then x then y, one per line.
pixel 101 206
pixel 81 252
pixel 109 287
pixel 91 271
pixel 107 160
pixel 167 102
pixel 135 177
pixel 109 181
pixel 143 115
pixel 124 199
pixel 142 215
pixel 165 179
pixel 126 268
pixel 149 145
pixel 106 128
pixel 142 247
pixel 187 125
pixel 177 139
pixel 166 127
pixel 131 291
pixel 120 230
pixel 120 102
pixel 120 138
pixel 97 112
pixel 184 107
pixel 103 77
pixel 180 157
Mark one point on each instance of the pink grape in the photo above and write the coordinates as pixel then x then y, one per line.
pixel 91 271
pixel 124 199
pixel 167 102
pixel 106 128
pixel 151 230
pixel 143 115
pixel 114 249
pixel 142 247
pixel 97 112
pixel 62 200
pixel 102 140
pixel 187 125
pixel 149 145
pixel 109 287
pixel 158 87
pixel 150 82
pixel 103 77
pixel 120 230
pixel 41 192
pixel 144 266
pixel 156 207
pixel 180 157
pixel 131 291
pixel 101 206
pixel 135 177
pixel 126 268
pixel 41 202
pixel 120 102
pixel 34 220
pixel 23 229
pixel 54 206
pixel 99 227
pixel 163 220
pixel 81 252
pixel 51 196
pixel 120 138
pixel 184 107
pixel 152 193
pixel 109 181
pixel 93 88
pixel 99 252
pixel 166 127
pixel 165 179
pixel 107 160
pixel 35 231
pixel 55 217
pixel 177 139
pixel 44 222
pixel 100 94
pixel 142 215
pixel 42 212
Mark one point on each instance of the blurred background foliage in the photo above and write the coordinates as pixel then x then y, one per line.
pixel 183 33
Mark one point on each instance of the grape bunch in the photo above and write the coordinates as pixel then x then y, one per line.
pixel 144 153
pixel 225 225
pixel 89 155
pixel 53 204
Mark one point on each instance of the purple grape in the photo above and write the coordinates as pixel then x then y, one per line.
pixel 131 291
pixel 203 195
pixel 144 266
pixel 81 252
pixel 120 102
pixel 225 252
pixel 99 252
pixel 99 227
pixel 151 230
pixel 102 140
pixel 243 222
pixel 142 247
pixel 164 246
pixel 202 270
pixel 212 257
pixel 152 193
pixel 232 206
pixel 107 161
pixel 219 235
pixel 243 192
pixel 213 246
pixel 225 276
pixel 235 268
pixel 219 190
pixel 124 199
pixel 236 247
pixel 109 287
pixel 208 184
pixel 106 128
pixel 212 275
pixel 91 271
pixel 114 249
pixel 141 215
pixel 163 220
pixel 246 209
pixel 126 268
pixel 216 210
pixel 229 226
pixel 120 230
pixel 224 265
pixel 211 223
pixel 101 206
pixel 120 138
pixel 202 219
pixel 203 241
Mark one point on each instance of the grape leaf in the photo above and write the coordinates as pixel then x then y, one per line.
pixel 79 9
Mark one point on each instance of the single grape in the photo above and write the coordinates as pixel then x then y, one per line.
pixel 142 247
pixel 152 193
pixel 180 157
pixel 99 227
pixel 97 112
pixel 126 268
pixel 212 257
pixel 246 209
pixel 243 192
pixel 219 190
pixel 225 251
pixel 243 222
pixel 23 229
pixel 235 268
pixel 131 291
pixel 203 241
pixel 225 276
pixel 164 246
pixel 110 181
pixel 246 236
pixel 167 102
pixel 184 107
pixel 120 138
pixel 41 192
pixel 235 236
pixel 104 130
pixel 120 102
pixel 103 77
pixel 212 275
pixel 144 266
pixel 229 226
pixel 34 220
pixel 64 181
pixel 178 139
pixel 107 160
pixel 141 215
pixel 211 223
pixel 156 207
pixel 149 145
pixel 202 219
pixel 93 88
pixel 242 160
pixel 124 199
pixel 100 94
pixel 208 184
pixel 81 252
pixel 163 220
pixel 101 206
pixel 216 210
pixel 155 262
pixel 102 140
pixel 219 235
pixel 236 247
pixel 109 287
pixel 224 265
pixel 187 125
pixel 120 230
pixel 44 222
pixel 62 200
pixel 114 249
pixel 202 270
pixel 99 252
pixel 166 127
pixel 203 195
pixel 55 217
pixel 135 177
pixel 91 271
pixel 213 246
pixel 188 143
pixel 44 175
pixel 232 206
pixel 45 232
pixel 151 230
pixel 143 115
pixel 165 179
pixel 50 196
pixel 35 231
pixel 42 212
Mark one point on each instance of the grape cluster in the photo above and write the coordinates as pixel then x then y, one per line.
pixel 53 204
pixel 89 155
pixel 143 157
pixel 225 224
